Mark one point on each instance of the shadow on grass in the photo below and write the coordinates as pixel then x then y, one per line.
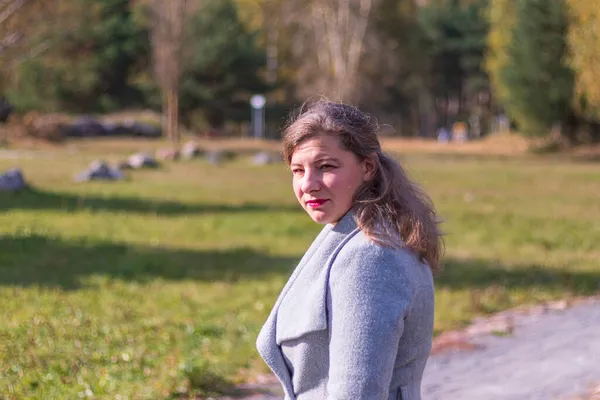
pixel 34 199
pixel 47 262
pixel 585 159
pixel 44 261
pixel 486 274
pixel 209 383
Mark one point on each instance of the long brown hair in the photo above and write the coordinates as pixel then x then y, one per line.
pixel 390 209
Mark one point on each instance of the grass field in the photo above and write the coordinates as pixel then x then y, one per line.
pixel 156 287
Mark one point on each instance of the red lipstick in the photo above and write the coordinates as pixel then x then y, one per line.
pixel 316 203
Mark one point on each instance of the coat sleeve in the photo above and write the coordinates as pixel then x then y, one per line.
pixel 369 297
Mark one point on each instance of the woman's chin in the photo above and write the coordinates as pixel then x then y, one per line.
pixel 319 216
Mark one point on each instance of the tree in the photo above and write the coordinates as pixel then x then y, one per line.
pixel 88 65
pixel 429 59
pixel 394 71
pixel 455 34
pixel 10 35
pixel 502 16
pixel 168 24
pixel 340 27
pixel 538 83
pixel 267 19
pixel 584 44
pixel 117 44
pixel 317 45
pixel 26 31
pixel 222 70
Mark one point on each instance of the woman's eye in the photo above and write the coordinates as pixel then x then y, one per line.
pixel 296 171
pixel 327 167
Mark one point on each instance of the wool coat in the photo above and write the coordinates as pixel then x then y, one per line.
pixel 353 322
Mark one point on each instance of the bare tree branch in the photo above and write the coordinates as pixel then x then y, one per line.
pixel 11 9
pixel 10 40
pixel 320 30
pixel 34 52
pixel 357 39
pixel 340 27
pixel 335 36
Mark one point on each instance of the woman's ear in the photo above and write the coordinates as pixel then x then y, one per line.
pixel 370 165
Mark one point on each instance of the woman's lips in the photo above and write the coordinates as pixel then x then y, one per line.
pixel 316 203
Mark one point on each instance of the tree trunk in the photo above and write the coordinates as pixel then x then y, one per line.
pixel 173 111
pixel 595 132
pixel 340 34
pixel 570 129
pixel 169 18
pixel 165 120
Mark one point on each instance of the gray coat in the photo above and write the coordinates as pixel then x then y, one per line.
pixel 353 322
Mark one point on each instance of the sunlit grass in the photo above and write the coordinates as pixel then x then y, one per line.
pixel 132 288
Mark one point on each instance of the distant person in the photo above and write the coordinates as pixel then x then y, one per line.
pixel 443 135
pixel 459 132
pixel 5 109
pixel 355 319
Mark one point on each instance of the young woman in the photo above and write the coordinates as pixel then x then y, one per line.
pixel 355 319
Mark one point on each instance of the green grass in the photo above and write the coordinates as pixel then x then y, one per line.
pixel 157 287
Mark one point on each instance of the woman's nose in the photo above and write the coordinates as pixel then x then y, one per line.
pixel 311 182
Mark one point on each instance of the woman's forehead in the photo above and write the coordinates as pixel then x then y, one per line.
pixel 319 147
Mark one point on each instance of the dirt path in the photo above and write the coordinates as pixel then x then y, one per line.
pixel 549 352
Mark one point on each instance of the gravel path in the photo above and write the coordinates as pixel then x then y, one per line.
pixel 545 353
pixel 551 355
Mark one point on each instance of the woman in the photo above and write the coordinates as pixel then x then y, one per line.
pixel 355 319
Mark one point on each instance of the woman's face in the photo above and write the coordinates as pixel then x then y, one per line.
pixel 326 177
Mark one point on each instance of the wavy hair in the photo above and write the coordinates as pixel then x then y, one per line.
pixel 390 209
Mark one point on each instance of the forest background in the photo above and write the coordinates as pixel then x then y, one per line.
pixel 418 65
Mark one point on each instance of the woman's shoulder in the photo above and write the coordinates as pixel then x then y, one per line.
pixel 364 247
pixel 370 258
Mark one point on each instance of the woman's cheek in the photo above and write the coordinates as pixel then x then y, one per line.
pixel 331 182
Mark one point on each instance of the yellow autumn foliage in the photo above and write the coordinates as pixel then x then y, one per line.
pixel 502 18
pixel 584 45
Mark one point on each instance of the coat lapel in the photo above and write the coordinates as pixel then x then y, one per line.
pixel 303 299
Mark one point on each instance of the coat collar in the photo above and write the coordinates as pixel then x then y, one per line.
pixel 309 272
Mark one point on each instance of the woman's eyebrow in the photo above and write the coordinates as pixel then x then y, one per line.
pixel 318 159
pixel 326 158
